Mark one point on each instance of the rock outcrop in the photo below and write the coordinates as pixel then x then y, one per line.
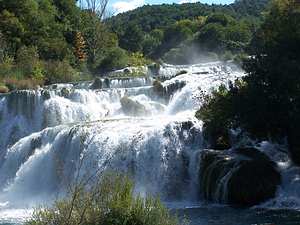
pixel 241 177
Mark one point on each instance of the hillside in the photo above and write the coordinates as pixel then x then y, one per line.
pixel 50 41
pixel 174 32
pixel 150 17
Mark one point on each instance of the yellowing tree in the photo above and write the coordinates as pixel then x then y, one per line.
pixel 80 47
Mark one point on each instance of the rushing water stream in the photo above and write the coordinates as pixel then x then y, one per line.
pixel 154 136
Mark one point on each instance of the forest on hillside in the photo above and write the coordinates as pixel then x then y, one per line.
pixel 50 41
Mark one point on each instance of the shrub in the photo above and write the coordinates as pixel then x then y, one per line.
pixel 20 84
pixel 28 60
pixel 116 58
pixel 108 202
pixel 6 66
pixel 138 59
pixel 59 72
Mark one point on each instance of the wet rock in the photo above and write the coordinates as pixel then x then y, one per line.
pixel 65 92
pixel 158 88
pixel 222 143
pixel 97 84
pixel 3 89
pixel 218 137
pixel 45 94
pixel 107 82
pixel 154 68
pixel 241 177
pixel 294 145
pixel 166 92
pixel 173 87
pixel 201 72
pixel 126 71
pixel 186 125
pixel 181 72
pixel 132 108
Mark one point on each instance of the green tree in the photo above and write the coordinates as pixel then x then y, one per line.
pixel 266 104
pixel 132 38
pixel 99 40
pixel 212 37
pixel 220 18
pixel 116 58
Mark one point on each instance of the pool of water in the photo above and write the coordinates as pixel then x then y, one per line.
pixel 228 216
pixel 200 215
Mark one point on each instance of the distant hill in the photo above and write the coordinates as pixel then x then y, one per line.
pixel 150 17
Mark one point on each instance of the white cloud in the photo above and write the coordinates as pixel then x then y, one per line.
pixel 187 1
pixel 123 6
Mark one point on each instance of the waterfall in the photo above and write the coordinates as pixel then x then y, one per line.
pixel 46 132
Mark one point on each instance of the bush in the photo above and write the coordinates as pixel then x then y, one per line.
pixel 138 59
pixel 21 84
pixel 60 72
pixel 28 62
pixel 116 58
pixel 6 66
pixel 108 202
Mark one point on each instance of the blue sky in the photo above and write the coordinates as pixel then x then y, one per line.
pixel 118 6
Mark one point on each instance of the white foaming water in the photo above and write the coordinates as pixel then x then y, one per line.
pixel 47 131
pixel 14 216
pixel 288 194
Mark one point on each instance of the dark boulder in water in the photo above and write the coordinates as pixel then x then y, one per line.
pixel 241 177
pixel 132 108
pixel 181 72
pixel 222 142
pixel 46 94
pixel 97 84
pixel 154 68
pixel 167 91
pixel 65 92
pixel 293 138
pixel 158 88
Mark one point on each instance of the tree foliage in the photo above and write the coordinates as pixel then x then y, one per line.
pixel 267 104
pixel 65 31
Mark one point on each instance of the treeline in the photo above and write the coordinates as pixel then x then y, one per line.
pixel 265 104
pixel 177 32
pixel 50 41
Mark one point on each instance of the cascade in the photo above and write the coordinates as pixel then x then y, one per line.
pixel 124 125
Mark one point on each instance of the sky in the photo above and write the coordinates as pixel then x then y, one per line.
pixel 118 6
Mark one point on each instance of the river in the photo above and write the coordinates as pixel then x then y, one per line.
pixel 130 126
